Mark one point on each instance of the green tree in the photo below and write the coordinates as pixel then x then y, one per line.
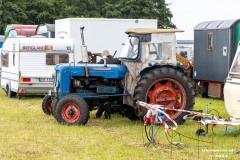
pixel 41 11
pixel 13 12
pixel 47 11
pixel 0 14
pixel 83 8
pixel 1 8
pixel 154 9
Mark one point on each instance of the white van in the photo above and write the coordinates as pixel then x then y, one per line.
pixel 28 63
pixel 99 33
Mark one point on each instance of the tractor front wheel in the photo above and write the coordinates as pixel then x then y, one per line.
pixel 168 87
pixel 46 104
pixel 71 110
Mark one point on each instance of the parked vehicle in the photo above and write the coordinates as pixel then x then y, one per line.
pixel 107 34
pixel 232 88
pixel 215 45
pixel 28 63
pixel 47 30
pixel 231 99
pixel 149 73
pixel 14 30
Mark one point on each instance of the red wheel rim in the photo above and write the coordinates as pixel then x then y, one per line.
pixel 49 103
pixel 70 112
pixel 167 92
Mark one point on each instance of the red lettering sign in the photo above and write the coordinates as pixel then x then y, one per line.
pixel 34 47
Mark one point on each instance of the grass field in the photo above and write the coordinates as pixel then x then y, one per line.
pixel 27 133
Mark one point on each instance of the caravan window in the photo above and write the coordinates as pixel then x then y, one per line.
pixel 235 69
pixel 210 41
pixel 5 58
pixel 55 58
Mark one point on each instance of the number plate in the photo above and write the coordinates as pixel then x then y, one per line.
pixel 46 79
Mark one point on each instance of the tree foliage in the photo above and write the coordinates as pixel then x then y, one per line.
pixel 155 9
pixel 0 8
pixel 46 11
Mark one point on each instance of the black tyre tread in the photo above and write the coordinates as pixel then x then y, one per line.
pixel 10 93
pixel 45 104
pixel 129 112
pixel 164 72
pixel 54 103
pixel 84 109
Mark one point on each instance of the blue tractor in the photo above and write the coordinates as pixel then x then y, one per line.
pixel 148 72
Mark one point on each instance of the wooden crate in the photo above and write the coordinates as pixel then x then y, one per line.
pixel 215 90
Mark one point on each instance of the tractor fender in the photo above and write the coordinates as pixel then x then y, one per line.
pixel 148 69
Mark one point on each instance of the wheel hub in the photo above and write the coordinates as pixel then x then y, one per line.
pixel 70 112
pixel 164 95
pixel 168 92
pixel 49 104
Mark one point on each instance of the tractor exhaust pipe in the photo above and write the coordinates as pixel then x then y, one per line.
pixel 84 55
pixel 83 47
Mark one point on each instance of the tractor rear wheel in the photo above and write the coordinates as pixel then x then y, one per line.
pixel 71 110
pixel 46 104
pixel 165 86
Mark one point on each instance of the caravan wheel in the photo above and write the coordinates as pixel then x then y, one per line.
pixel 10 93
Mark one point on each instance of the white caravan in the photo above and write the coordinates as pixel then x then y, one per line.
pixel 28 63
pixel 99 33
pixel 232 88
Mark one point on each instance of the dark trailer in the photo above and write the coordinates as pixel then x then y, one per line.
pixel 215 44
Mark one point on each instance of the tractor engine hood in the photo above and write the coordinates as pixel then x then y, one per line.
pixel 112 71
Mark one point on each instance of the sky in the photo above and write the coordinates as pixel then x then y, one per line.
pixel 187 14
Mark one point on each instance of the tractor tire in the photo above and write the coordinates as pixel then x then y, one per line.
pixel 10 93
pixel 54 103
pixel 129 112
pixel 71 110
pixel 165 86
pixel 46 104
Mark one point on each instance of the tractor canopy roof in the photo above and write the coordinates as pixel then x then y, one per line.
pixel 151 30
